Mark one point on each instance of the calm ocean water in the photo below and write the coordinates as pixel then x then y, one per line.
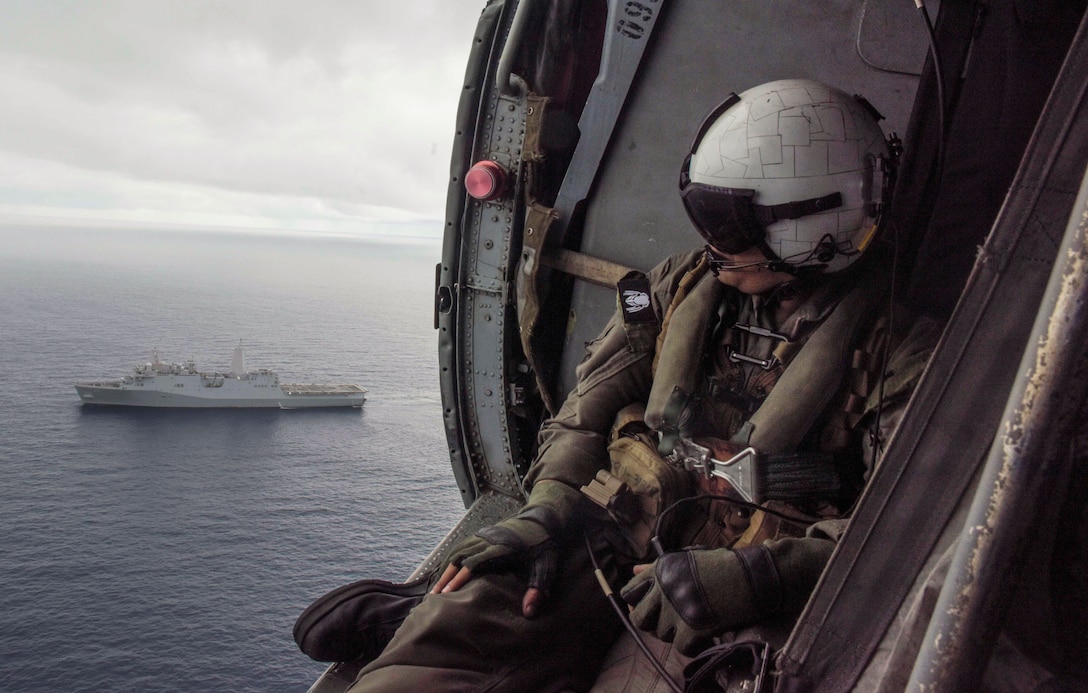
pixel 159 550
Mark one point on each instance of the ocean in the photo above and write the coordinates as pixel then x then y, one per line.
pixel 171 550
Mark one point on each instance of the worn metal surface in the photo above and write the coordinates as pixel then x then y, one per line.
pixel 1027 469
pixel 914 501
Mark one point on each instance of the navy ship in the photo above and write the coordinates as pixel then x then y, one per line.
pixel 161 384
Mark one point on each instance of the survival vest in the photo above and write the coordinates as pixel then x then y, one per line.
pixel 828 346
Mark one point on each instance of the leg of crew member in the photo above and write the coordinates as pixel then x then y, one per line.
pixel 476 638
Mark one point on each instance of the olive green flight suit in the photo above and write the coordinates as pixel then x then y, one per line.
pixel 476 639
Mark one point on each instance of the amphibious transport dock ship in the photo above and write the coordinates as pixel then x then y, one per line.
pixel 160 384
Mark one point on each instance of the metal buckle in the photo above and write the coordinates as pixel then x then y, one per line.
pixel 766 364
pixel 738 470
pixel 761 331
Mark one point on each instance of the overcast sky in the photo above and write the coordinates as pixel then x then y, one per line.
pixel 324 115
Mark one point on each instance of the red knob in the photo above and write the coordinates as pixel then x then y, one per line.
pixel 485 181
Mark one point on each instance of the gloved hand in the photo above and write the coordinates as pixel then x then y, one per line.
pixel 528 542
pixel 688 597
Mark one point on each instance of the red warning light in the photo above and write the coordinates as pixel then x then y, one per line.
pixel 485 181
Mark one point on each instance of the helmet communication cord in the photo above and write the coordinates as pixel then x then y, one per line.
pixel 938 74
pixel 625 619
pixel 655 541
pixel 621 609
pixel 875 439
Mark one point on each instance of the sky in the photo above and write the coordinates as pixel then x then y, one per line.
pixel 323 116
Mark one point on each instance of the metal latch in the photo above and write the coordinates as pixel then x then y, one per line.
pixel 765 364
pixel 739 470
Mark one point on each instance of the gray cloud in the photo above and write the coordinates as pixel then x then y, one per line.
pixel 338 110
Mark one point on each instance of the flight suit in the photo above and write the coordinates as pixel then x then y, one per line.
pixel 476 638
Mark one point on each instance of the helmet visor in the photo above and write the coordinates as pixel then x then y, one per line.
pixel 725 217
pixel 731 222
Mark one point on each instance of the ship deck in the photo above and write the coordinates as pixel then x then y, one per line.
pixel 304 389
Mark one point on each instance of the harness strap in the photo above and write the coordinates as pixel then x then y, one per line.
pixel 799 476
pixel 538 219
pixel 683 288
pixel 861 382
pixel 677 357
pixel 621 57
pixel 815 376
pixel 588 268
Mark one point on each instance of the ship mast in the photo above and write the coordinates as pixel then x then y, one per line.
pixel 238 362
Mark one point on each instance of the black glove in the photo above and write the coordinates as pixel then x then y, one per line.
pixel 528 541
pixel 688 597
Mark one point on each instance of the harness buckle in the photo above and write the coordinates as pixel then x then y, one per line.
pixel 766 364
pixel 739 470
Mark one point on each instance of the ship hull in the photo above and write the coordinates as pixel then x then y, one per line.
pixel 182 386
pixel 197 392
pixel 131 397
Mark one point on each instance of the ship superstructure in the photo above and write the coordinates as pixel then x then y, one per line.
pixel 162 384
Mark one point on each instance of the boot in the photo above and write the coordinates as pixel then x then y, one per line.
pixel 355 622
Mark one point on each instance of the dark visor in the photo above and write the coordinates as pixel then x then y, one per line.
pixel 725 217
pixel 731 222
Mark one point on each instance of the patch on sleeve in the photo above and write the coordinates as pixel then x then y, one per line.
pixel 634 298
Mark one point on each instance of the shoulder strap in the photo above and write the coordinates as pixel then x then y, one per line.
pixel 687 282
pixel 815 376
pixel 676 358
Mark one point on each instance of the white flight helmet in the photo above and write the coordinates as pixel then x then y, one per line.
pixel 795 167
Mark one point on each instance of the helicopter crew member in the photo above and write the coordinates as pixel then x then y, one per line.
pixel 761 353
